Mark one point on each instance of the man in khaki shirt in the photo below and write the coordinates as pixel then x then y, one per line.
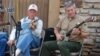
pixel 71 43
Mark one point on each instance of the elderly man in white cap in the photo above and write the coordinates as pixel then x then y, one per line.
pixel 30 33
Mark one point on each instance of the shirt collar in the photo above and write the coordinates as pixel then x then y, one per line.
pixel 70 19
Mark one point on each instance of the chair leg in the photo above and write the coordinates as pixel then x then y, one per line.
pixel 80 53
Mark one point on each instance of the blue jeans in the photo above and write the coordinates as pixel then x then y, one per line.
pixel 3 44
pixel 26 41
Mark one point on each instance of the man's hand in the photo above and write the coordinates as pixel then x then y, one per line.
pixel 32 25
pixel 75 32
pixel 10 42
pixel 59 37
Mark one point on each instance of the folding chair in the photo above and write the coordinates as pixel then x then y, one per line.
pixel 41 43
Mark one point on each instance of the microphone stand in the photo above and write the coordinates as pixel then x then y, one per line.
pixel 17 33
pixel 11 18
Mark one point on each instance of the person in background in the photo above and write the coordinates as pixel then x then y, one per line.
pixel 30 34
pixel 3 35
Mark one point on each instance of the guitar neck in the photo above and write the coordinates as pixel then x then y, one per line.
pixel 77 26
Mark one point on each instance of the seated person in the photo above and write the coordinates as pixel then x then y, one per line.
pixel 3 35
pixel 30 33
pixel 71 43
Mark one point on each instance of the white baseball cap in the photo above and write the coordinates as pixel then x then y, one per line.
pixel 33 6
